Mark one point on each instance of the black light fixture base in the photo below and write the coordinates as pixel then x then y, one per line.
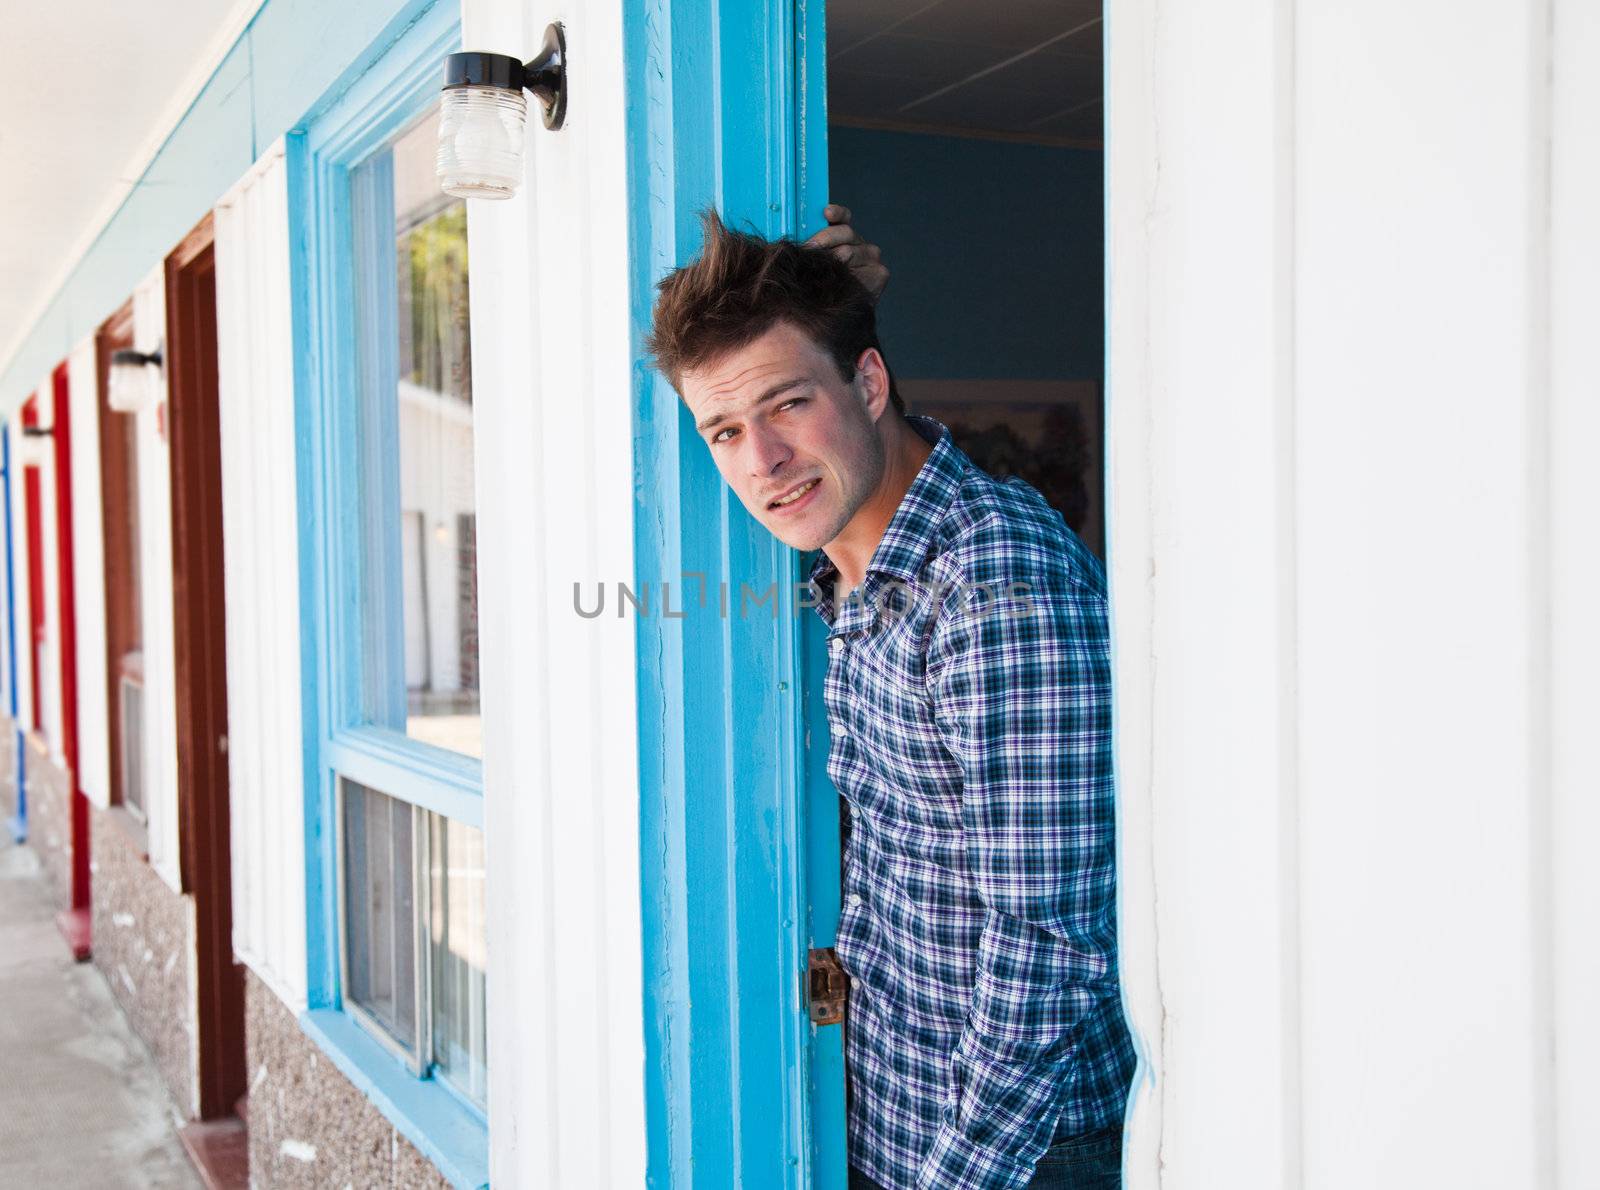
pixel 545 75
pixel 127 355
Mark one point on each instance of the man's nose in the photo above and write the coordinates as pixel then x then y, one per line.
pixel 768 453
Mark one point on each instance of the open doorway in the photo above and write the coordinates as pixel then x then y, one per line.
pixel 966 137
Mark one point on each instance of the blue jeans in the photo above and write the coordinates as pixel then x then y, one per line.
pixel 1092 1161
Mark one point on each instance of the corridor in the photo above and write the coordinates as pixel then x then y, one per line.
pixel 81 1104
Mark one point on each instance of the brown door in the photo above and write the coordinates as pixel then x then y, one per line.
pixel 201 656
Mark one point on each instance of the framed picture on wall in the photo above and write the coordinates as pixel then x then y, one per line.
pixel 1048 433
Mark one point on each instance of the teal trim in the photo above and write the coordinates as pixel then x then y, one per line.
pixel 425 1110
pixel 339 184
pixel 739 847
pixel 293 59
pixel 444 782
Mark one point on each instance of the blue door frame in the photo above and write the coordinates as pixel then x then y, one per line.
pixel 18 823
pixel 739 827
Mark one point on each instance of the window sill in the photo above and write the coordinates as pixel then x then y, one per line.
pixel 424 1112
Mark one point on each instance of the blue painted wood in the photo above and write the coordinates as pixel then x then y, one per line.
pixel 432 778
pixel 341 188
pixel 382 687
pixel 443 1128
pixel 825 1100
pixel 735 1089
pixel 296 57
pixel 18 822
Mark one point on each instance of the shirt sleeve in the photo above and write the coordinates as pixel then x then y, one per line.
pixel 1021 689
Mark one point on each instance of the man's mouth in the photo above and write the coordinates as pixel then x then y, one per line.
pixel 794 494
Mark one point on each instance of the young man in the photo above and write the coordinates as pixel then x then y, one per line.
pixel 969 700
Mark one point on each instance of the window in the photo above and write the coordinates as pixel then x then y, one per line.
pixel 388 534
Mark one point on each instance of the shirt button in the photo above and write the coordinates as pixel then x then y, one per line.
pixel 855 985
pixel 855 900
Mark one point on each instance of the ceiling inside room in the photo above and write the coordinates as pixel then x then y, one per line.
pixel 1014 68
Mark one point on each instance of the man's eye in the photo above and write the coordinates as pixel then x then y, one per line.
pixel 792 401
pixel 719 436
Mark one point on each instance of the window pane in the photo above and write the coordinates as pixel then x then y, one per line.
pixel 458 940
pixel 418 557
pixel 435 416
pixel 380 910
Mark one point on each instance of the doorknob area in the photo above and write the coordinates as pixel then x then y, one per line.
pixel 827 987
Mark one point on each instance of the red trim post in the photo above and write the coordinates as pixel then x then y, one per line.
pixel 75 923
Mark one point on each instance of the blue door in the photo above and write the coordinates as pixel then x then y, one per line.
pixel 739 825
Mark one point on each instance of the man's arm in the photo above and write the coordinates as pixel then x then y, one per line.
pixel 1022 696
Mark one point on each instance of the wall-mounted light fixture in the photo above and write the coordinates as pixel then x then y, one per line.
pixel 483 112
pixel 135 382
pixel 36 447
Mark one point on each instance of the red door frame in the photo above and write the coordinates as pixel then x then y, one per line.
pixel 75 922
pixel 200 652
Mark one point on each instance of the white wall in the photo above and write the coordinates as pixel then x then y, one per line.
pixel 1573 639
pixel 88 576
pixel 1349 422
pixel 552 384
pixel 261 577
pixel 50 653
pixel 155 594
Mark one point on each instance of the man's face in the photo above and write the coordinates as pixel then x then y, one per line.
pixel 797 443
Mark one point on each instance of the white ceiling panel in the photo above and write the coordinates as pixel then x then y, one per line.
pixel 89 89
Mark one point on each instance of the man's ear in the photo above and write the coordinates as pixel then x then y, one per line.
pixel 872 382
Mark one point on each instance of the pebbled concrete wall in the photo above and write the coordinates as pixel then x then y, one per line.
pixel 309 1127
pixel 49 817
pixel 144 943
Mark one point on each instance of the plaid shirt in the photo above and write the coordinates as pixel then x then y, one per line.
pixel 971 740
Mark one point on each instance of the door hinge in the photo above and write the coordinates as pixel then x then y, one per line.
pixel 827 987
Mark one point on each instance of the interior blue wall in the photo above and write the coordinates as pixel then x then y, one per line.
pixel 296 55
pixel 994 252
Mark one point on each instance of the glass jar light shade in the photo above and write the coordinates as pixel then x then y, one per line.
pixel 34 449
pixel 481 134
pixel 131 387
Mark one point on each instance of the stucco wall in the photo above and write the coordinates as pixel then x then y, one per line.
pixel 309 1127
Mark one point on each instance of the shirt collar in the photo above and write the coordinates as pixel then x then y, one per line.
pixel 906 541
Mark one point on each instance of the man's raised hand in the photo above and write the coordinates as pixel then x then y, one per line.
pixel 864 259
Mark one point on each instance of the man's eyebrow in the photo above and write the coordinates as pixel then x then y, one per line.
pixel 781 387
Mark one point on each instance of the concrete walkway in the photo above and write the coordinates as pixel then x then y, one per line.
pixel 81 1104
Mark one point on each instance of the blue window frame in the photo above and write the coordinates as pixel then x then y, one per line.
pixel 395 906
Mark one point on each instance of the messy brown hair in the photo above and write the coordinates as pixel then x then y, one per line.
pixel 741 285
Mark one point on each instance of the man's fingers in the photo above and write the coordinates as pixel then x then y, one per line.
pixel 834 213
pixel 834 235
